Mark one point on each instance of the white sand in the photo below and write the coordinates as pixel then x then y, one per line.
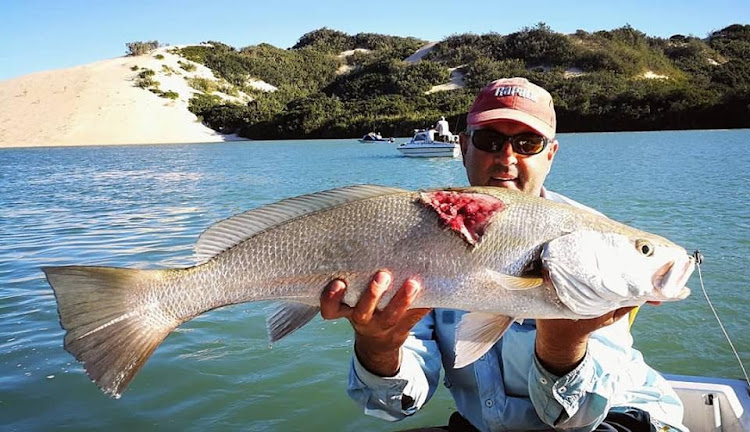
pixel 455 81
pixel 98 104
pixel 421 52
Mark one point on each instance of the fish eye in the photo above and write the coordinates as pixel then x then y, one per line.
pixel 644 247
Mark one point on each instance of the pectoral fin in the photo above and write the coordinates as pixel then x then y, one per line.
pixel 515 283
pixel 476 334
pixel 286 317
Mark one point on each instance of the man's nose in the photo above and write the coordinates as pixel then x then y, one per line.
pixel 506 155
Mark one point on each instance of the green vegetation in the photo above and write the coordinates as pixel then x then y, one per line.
pixel 145 79
pixel 204 85
pixel 168 70
pixel 141 48
pixel 598 81
pixel 159 57
pixel 188 67
pixel 134 68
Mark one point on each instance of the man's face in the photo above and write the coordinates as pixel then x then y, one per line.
pixel 506 168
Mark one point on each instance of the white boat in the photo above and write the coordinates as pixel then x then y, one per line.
pixel 375 137
pixel 423 144
pixel 713 404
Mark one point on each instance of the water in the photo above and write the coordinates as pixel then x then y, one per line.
pixel 144 206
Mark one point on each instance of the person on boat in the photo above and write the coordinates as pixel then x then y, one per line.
pixel 564 375
pixel 443 130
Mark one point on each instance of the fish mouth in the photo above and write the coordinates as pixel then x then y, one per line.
pixel 670 279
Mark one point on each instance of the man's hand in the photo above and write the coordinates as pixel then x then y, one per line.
pixel 379 334
pixel 561 343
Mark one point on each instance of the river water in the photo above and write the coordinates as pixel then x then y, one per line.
pixel 144 206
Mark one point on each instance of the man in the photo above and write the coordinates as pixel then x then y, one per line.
pixel 550 374
pixel 443 130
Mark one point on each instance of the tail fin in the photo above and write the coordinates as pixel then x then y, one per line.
pixel 106 327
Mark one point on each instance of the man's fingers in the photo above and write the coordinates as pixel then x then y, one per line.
pixel 410 319
pixel 369 299
pixel 400 303
pixel 331 306
pixel 619 313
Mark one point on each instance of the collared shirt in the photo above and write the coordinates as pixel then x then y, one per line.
pixel 507 389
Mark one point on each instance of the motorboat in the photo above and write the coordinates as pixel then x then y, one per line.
pixel 375 137
pixel 424 144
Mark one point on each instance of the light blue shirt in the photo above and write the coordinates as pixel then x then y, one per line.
pixel 507 389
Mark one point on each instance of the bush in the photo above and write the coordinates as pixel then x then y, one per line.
pixel 204 85
pixel 146 73
pixel 141 48
pixel 134 68
pixel 147 82
pixel 159 57
pixel 188 67
pixel 539 46
pixel 202 102
pixel 170 95
pixel 168 70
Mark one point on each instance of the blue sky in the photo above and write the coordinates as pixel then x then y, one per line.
pixel 41 35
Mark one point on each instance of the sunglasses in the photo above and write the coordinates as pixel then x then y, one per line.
pixel 524 143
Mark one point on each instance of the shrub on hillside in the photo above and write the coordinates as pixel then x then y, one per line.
pixel 147 82
pixel 141 48
pixel 188 67
pixel 202 84
pixel 539 46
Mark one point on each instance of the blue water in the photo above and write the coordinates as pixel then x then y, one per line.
pixel 144 206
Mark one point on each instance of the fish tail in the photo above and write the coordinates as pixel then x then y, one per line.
pixel 104 330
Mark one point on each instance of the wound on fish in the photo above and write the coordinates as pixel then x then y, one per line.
pixel 463 212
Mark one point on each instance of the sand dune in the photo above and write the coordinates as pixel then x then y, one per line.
pixel 99 104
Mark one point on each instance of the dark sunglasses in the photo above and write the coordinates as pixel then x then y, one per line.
pixel 524 143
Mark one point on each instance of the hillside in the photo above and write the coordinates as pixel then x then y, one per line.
pixel 107 102
pixel 331 84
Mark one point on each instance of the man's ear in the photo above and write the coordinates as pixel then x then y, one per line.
pixel 463 139
pixel 552 150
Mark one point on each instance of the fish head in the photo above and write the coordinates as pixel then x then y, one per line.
pixel 597 272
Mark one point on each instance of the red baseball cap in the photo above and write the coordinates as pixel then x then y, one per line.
pixel 515 99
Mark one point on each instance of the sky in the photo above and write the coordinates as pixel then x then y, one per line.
pixel 38 35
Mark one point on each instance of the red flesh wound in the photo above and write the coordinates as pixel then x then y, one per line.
pixel 465 213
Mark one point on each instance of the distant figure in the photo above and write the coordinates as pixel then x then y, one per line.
pixel 443 130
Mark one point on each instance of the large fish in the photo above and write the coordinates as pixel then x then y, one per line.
pixel 501 254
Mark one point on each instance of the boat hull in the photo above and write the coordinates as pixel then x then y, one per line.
pixel 429 150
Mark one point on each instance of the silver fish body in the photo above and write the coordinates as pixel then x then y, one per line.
pixel 488 250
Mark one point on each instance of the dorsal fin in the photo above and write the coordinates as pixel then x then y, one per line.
pixel 236 229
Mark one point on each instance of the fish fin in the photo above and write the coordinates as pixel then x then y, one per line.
pixel 284 318
pixel 515 283
pixel 476 334
pixel 236 229
pixel 104 331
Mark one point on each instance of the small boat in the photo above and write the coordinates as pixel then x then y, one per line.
pixel 375 137
pixel 423 144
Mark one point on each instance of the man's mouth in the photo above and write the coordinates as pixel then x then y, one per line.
pixel 502 180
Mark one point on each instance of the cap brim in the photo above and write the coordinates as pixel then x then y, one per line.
pixel 491 116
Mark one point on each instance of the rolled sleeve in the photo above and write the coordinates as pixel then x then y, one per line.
pixel 569 402
pixel 393 398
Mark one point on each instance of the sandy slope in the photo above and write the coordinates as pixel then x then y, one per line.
pixel 98 104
